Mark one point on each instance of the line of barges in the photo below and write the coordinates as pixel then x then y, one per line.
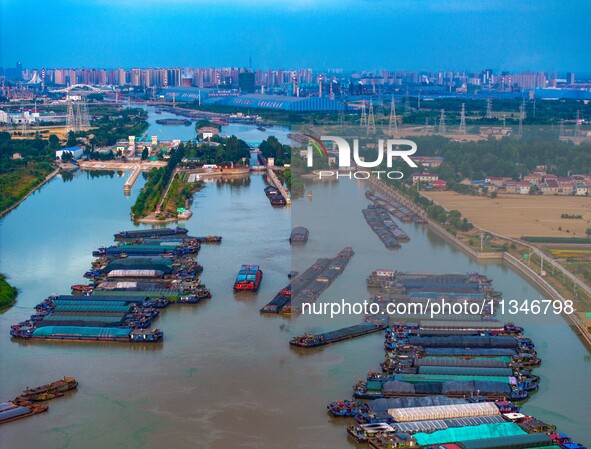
pixel 127 290
pixel 27 404
pixel 449 384
pixel 310 284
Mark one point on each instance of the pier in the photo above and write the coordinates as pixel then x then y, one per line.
pixel 132 179
pixel 275 181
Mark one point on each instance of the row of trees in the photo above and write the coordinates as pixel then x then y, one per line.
pixel 23 165
pixel 158 179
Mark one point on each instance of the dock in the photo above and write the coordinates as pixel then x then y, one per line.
pixel 346 333
pixel 275 181
pixel 132 179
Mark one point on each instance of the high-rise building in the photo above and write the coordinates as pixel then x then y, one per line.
pixel 570 78
pixel 246 82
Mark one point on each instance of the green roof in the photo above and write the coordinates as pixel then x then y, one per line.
pixel 464 434
pixel 77 331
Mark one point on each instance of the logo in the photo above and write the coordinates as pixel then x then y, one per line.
pixel 389 149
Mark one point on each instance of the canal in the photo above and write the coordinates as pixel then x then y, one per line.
pixel 225 376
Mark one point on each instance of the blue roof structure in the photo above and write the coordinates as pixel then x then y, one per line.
pixel 285 103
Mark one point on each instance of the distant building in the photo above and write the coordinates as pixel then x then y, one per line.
pixel 76 152
pixel 424 177
pixel 246 82
pixel 208 131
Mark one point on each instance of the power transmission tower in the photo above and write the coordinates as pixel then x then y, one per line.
pixel 522 109
pixel 363 121
pixel 393 125
pixel 521 117
pixel 489 113
pixel 578 125
pixel 462 128
pixel 419 100
pixel 371 124
pixel 70 121
pixel 407 103
pixel 442 128
pixel 341 117
pixel 561 134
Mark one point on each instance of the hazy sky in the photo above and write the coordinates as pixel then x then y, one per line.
pixel 348 34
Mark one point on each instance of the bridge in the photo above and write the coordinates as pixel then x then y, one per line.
pixel 82 87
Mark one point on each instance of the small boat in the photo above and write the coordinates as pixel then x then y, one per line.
pixel 260 128
pixel 248 279
pixel 84 288
pixel 278 200
pixel 292 274
pixel 271 190
pixel 299 234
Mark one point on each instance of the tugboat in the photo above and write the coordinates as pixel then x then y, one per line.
pixel 248 279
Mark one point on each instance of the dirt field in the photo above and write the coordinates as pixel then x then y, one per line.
pixel 521 215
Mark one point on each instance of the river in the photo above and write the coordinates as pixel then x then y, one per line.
pixel 225 376
pixel 251 134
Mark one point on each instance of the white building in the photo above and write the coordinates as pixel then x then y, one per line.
pixel 76 152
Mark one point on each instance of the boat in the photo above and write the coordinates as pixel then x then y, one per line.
pixel 11 411
pixel 44 392
pixel 260 128
pixel 136 233
pixel 278 200
pixel 292 274
pixel 299 234
pixel 174 121
pixel 84 288
pixel 271 190
pixel 249 278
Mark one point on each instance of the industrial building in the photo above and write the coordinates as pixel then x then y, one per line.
pixel 283 103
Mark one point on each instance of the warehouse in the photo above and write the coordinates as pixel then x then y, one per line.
pixel 283 103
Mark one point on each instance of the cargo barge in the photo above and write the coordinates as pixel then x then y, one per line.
pixel 315 340
pixel 310 284
pixel 299 234
pixel 174 121
pixel 150 233
pixel 45 392
pixel 248 279
pixel 12 410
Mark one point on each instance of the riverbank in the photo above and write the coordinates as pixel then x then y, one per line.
pixel 29 192
pixel 8 293
pixel 512 251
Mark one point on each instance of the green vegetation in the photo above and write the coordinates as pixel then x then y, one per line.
pixel 8 293
pixel 218 151
pixel 556 239
pixel 452 220
pixel 18 176
pixel 273 148
pixel 507 157
pixel 179 195
pixel 155 187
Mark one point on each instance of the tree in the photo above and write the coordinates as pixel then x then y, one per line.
pixel 588 231
pixel 54 142
pixel 145 154
pixel 71 139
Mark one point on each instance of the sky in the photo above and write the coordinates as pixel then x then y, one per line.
pixel 516 35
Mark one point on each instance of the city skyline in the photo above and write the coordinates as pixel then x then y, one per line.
pixel 394 35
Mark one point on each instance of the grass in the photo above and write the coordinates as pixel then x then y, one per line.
pixel 8 293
